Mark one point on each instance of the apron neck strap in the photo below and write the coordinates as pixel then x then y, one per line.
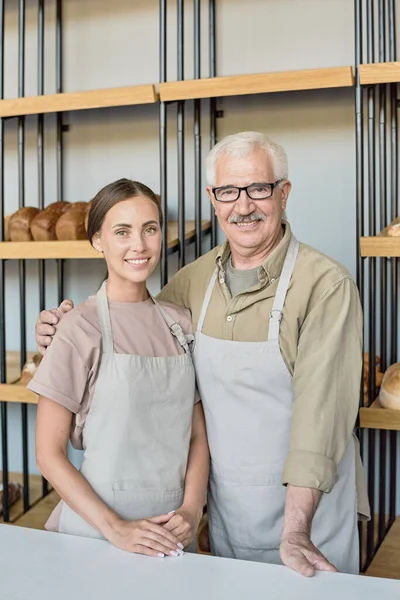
pixel 174 327
pixel 276 313
pixel 206 301
pixel 105 321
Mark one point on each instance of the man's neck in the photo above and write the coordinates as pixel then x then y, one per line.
pixel 243 261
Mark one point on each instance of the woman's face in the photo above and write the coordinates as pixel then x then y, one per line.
pixel 130 239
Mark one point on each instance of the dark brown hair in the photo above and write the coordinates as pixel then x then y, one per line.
pixel 110 195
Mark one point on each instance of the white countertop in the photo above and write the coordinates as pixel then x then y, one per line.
pixel 38 565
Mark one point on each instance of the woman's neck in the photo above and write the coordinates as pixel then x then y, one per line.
pixel 126 291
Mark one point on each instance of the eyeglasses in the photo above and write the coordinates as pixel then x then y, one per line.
pixel 255 191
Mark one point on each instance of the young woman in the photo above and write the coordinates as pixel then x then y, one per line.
pixel 119 381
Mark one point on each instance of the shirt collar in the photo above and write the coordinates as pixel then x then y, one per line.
pixel 272 266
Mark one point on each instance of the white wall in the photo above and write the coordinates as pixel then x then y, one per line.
pixel 108 44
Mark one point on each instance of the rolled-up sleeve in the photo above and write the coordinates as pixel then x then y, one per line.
pixel 326 381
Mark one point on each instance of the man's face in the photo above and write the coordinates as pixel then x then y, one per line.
pixel 249 225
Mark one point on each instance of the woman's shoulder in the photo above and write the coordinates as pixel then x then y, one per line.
pixel 180 314
pixel 83 317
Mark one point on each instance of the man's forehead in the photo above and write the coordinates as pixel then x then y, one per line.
pixel 254 167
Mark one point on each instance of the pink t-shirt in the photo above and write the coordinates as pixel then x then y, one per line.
pixel 68 371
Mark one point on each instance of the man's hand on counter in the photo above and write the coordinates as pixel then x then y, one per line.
pixel 297 550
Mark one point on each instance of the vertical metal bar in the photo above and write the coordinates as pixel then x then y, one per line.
pixel 383 266
pixel 40 140
pixel 59 89
pixel 213 105
pixel 359 146
pixel 22 267
pixel 394 197
pixel 60 153
pixel 40 147
pixel 181 139
pixel 163 143
pixel 394 211
pixel 382 182
pixel 359 185
pixel 197 132
pixel 372 279
pixel 40 156
pixel 3 405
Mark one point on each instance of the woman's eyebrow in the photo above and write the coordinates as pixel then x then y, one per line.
pixel 152 222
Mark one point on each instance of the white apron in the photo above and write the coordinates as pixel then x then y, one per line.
pixel 137 434
pixel 247 395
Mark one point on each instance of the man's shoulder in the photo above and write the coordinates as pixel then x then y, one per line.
pixel 202 266
pixel 190 281
pixel 318 264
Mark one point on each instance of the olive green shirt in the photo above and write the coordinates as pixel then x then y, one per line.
pixel 320 340
pixel 239 280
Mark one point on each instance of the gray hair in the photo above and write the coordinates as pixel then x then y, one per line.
pixel 241 144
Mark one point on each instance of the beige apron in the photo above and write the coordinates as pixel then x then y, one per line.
pixel 137 433
pixel 247 395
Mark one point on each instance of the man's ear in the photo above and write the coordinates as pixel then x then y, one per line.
pixel 285 191
pixel 211 195
pixel 96 242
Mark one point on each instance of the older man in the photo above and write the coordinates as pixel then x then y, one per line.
pixel 278 356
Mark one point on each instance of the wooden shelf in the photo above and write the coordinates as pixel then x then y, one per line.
pixel 35 493
pixel 53 103
pixel 261 83
pixel 13 364
pixel 82 248
pixel 377 417
pixel 37 250
pixel 15 392
pixel 381 245
pixel 386 562
pixel 380 73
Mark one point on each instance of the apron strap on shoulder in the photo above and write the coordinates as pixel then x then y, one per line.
pixel 207 299
pixel 184 340
pixel 275 316
pixel 105 321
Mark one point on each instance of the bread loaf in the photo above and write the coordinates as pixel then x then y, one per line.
pixel 19 224
pixel 30 368
pixel 89 204
pixel 389 394
pixel 394 230
pixel 43 226
pixel 71 225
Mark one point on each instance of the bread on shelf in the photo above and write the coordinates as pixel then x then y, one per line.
pixel 389 394
pixel 89 204
pixel 62 221
pixel 29 369
pixel 394 230
pixel 43 226
pixel 19 224
pixel 71 225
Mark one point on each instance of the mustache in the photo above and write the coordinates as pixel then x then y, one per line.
pixel 247 218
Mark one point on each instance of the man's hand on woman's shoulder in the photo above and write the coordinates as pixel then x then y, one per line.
pixel 47 322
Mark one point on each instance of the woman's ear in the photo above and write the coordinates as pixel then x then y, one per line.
pixel 96 242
